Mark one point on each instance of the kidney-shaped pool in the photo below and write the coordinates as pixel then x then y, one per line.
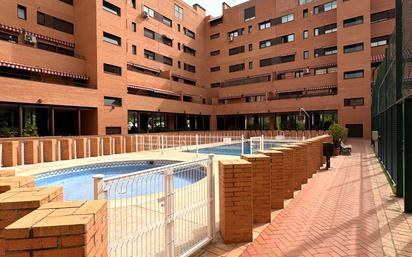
pixel 78 181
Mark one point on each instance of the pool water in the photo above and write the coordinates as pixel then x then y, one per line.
pixel 236 148
pixel 78 181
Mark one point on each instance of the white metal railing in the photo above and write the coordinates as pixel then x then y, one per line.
pixel 167 211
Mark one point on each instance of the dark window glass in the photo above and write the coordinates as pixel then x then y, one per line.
pixel 250 13
pixel 214 53
pixel 189 33
pixel 111 8
pixel 70 2
pixel 112 101
pixel 215 69
pixel 215 36
pixel 21 12
pixel 54 23
pixel 383 16
pixel 189 68
pixel 113 130
pixel 353 21
pixel 168 60
pixel 41 18
pixel 353 74
pixel 189 50
pixel 112 39
pixel 237 50
pixel 148 33
pixel 134 50
pixel 149 55
pixel 354 101
pixel 216 22
pixel 237 67
pixel 353 48
pixel 8 37
pixel 112 69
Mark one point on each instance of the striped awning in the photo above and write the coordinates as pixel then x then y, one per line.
pixel 321 88
pixel 377 58
pixel 325 65
pixel 50 39
pixel 11 28
pixel 289 90
pixel 42 70
pixel 143 67
pixel 156 90
pixel 40 36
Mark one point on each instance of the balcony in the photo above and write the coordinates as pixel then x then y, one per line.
pixel 304 92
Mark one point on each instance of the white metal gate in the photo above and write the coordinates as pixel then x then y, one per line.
pixel 166 211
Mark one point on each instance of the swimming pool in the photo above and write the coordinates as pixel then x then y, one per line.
pixel 236 148
pixel 78 181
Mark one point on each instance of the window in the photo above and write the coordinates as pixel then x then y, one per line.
pixel 265 44
pixel 302 2
pixel 305 55
pixel 150 12
pixel 331 28
pixel 134 26
pixel 189 68
pixel 353 48
pixel 112 69
pixel 189 33
pixel 353 74
pixel 189 50
pixel 112 39
pixel 353 21
pixel 250 47
pixel 250 29
pixel 354 101
pixel 325 7
pixel 157 16
pixel 178 27
pixel 235 33
pixel 265 25
pixel 215 69
pixel 55 23
pixel 215 22
pixel 383 16
pixel 168 60
pixel 250 14
pixel 178 12
pixel 112 101
pixel 111 8
pixel 305 13
pixel 21 12
pixel 288 38
pixel 325 51
pixel 237 67
pixel 305 34
pixel 134 49
pixel 70 2
pixel 148 33
pixel 149 55
pixel 214 53
pixel 380 41
pixel 133 4
pixel 179 46
pixel 237 50
pixel 250 65
pixel 8 37
pixel 287 18
pixel 215 36
pixel 277 60
pixel 179 64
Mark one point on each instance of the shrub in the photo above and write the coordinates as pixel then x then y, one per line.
pixel 338 133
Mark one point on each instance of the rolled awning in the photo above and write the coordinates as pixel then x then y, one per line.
pixel 156 90
pixel 42 70
pixel 321 88
pixel 11 28
pixel 377 58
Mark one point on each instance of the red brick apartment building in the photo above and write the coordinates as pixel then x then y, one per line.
pixel 70 67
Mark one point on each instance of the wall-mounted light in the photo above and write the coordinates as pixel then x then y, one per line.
pixel 39 101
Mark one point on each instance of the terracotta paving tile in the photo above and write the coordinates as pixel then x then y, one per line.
pixel 349 210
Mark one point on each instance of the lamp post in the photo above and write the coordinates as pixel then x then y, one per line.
pixel 307 114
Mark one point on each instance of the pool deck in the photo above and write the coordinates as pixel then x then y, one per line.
pixel 349 210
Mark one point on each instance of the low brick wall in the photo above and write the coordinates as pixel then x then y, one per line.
pixel 298 165
pixel 73 229
pixel 95 147
pixel 288 169
pixel 277 183
pixel 10 153
pixel 49 150
pixel 9 183
pixel 17 203
pixel 235 196
pixel 7 172
pixel 31 152
pixel 66 149
pixel 260 186
pixel 81 147
pixel 107 145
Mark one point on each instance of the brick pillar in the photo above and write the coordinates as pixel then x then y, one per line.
pixel 10 153
pixel 75 229
pixel 260 186
pixel 299 165
pixel 312 160
pixel 66 150
pixel 95 146
pixel 287 170
pixel 7 172
pixel 31 152
pixel 81 147
pixel 49 149
pixel 277 184
pixel 235 201
pixel 9 183
pixel 15 204
pixel 305 161
pixel 118 145
pixel 107 145
pixel 130 144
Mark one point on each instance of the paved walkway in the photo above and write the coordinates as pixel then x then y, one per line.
pixel 347 211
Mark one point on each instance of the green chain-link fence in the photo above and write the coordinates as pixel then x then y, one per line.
pixel 392 105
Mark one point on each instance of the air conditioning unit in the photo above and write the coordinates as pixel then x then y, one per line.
pixel 30 39
pixel 231 38
pixel 306 71
pixel 145 15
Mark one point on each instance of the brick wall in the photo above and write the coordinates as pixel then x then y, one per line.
pixel 287 170
pixel 9 183
pixel 66 149
pixel 235 201
pixel 10 153
pixel 7 172
pixel 260 186
pixel 31 152
pixel 49 150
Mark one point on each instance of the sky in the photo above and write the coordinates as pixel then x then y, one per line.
pixel 214 7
